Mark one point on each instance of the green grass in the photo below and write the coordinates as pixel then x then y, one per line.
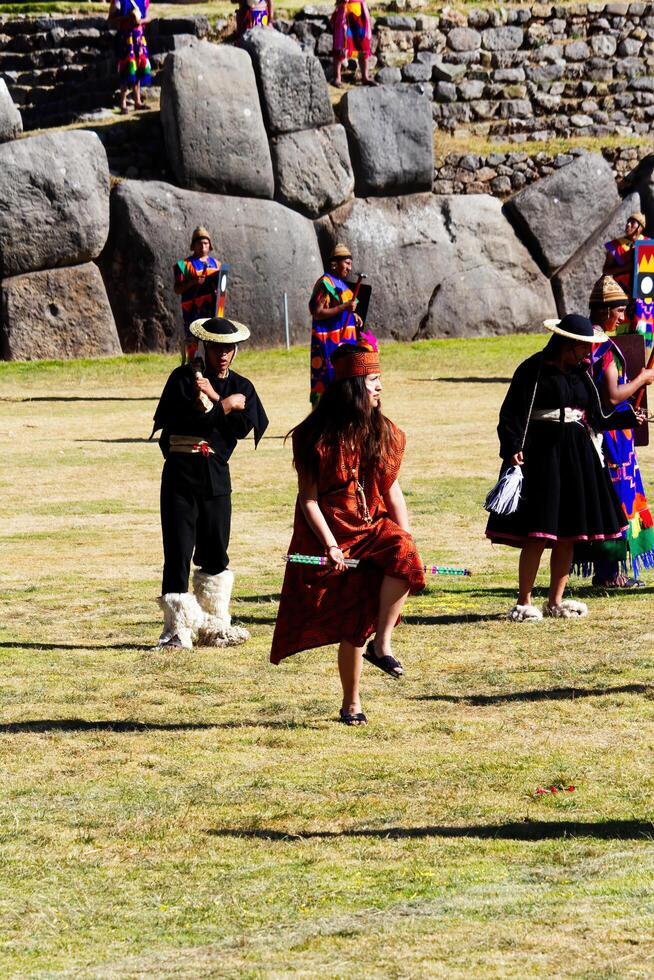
pixel 203 815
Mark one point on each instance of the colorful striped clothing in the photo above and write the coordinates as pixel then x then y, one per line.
pixel 352 29
pixel 132 59
pixel 251 15
pixel 200 298
pixel 620 458
pixel 327 334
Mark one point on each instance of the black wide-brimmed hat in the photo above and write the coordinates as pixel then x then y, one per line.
pixel 577 327
pixel 219 330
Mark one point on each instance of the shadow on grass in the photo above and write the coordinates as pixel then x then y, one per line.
pixel 40 726
pixel 449 619
pixel 255 620
pixel 140 439
pixel 532 830
pixel 551 694
pixel 272 597
pixel 86 398
pixel 77 646
pixel 470 380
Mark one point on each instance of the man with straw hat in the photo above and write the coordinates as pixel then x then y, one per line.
pixel 334 320
pixel 566 493
pixel 197 439
pixel 196 281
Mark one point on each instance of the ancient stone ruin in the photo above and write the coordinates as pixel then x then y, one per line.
pixel 251 145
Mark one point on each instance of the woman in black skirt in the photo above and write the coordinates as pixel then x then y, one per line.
pixel 566 494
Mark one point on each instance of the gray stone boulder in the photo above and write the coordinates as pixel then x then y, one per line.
pixel 554 216
pixel 313 173
pixel 391 140
pixel 292 84
pixel 58 313
pixel 269 248
pixel 441 266
pixel 54 201
pixel 573 282
pixel 11 122
pixel 212 123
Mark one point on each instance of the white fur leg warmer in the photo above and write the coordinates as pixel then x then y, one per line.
pixel 182 619
pixel 213 593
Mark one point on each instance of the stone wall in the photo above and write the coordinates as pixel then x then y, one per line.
pixel 502 174
pixel 540 70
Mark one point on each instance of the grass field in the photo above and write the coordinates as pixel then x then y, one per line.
pixel 184 815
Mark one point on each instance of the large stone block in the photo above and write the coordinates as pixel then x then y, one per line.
pixel 391 140
pixel 573 282
pixel 555 215
pixel 212 123
pixel 441 266
pixel 269 248
pixel 11 123
pixel 292 84
pixel 58 313
pixel 313 173
pixel 54 201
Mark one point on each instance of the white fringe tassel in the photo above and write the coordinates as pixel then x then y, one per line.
pixel 505 495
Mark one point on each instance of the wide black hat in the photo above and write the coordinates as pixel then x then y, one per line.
pixel 219 330
pixel 577 327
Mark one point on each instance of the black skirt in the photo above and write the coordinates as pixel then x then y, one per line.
pixel 567 493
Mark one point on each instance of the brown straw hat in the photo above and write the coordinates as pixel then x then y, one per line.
pixel 607 292
pixel 639 217
pixel 340 251
pixel 201 232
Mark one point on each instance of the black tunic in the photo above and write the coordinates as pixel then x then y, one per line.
pixel 566 492
pixel 176 414
pixel 195 489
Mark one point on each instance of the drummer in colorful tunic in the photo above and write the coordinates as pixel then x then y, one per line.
pixel 196 281
pixel 334 320
pixel 352 35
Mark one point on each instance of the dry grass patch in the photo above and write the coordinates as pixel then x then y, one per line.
pixel 203 814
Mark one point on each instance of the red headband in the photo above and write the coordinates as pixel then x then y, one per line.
pixel 356 364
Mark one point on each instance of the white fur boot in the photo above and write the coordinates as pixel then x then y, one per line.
pixel 213 593
pixel 182 618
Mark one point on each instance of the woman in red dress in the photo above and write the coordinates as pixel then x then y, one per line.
pixel 347 455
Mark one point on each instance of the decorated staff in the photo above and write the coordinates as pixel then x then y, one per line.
pixel 354 563
pixel 196 509
pixel 603 559
pixel 347 455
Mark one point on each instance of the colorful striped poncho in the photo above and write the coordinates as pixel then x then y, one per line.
pixel 327 334
pixel 200 299
pixel 132 58
pixel 622 464
pixel 352 29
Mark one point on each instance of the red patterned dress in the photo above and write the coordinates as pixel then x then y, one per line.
pixel 319 606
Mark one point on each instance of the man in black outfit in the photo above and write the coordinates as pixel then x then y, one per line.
pixel 202 418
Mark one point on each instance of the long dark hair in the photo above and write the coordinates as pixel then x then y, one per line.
pixel 343 416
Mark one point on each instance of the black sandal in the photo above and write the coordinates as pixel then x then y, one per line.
pixel 355 720
pixel 388 664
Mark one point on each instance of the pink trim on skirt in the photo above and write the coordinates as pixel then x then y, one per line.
pixel 521 539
